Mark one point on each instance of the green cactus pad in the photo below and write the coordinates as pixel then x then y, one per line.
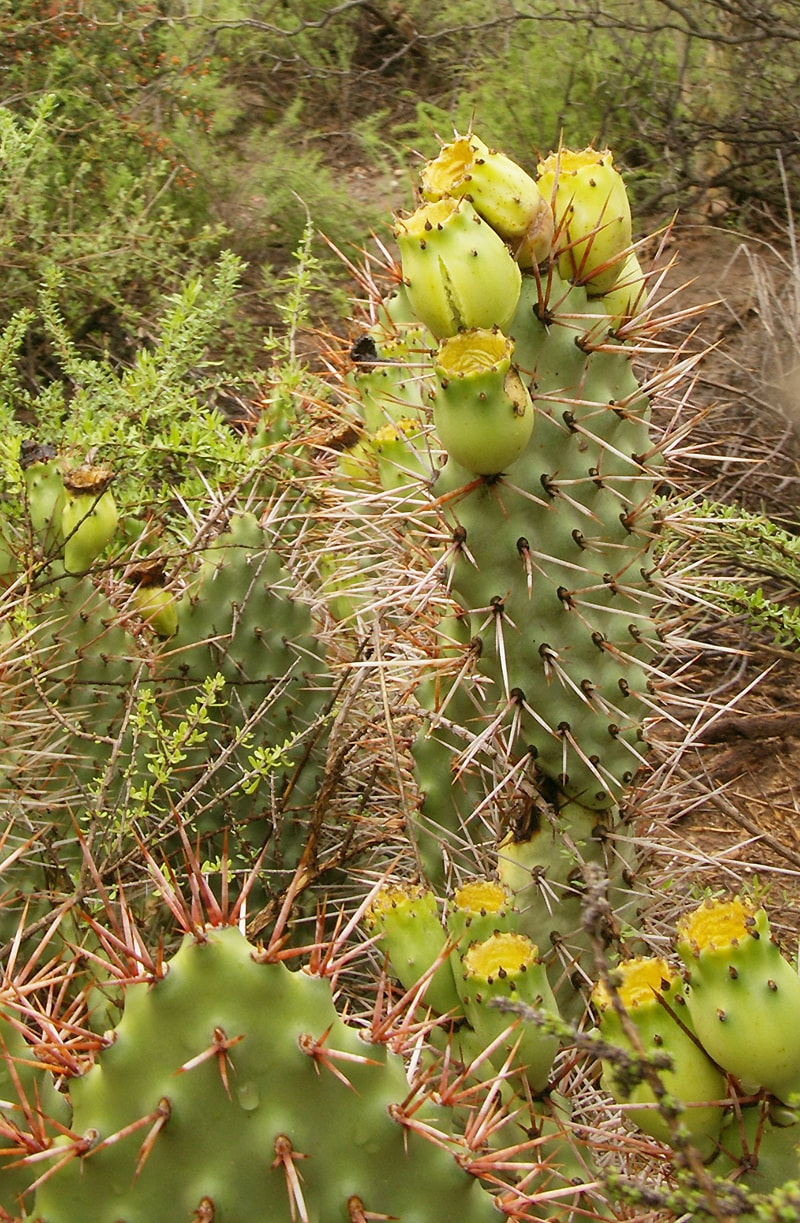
pixel 232 1086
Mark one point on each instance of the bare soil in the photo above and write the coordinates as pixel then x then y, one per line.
pixel 729 812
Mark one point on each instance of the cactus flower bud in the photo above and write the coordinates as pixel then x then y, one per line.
pixel 502 193
pixel 592 214
pixel 458 271
pixel 743 996
pixel 407 923
pixel 651 994
pixel 482 410
pixel 507 966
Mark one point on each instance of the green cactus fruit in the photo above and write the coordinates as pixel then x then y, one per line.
pixel 651 993
pixel 392 375
pixel 44 493
pixel 742 995
pixel 399 452
pixel 478 909
pixel 152 602
pixel 627 297
pixel 502 193
pixel 89 517
pixel 405 919
pixel 506 966
pixel 481 409
pixel 458 271
pixel 231 1090
pixel 592 215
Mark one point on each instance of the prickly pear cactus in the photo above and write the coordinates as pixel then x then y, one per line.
pixel 742 995
pixel 231 1089
pixel 700 1052
pixel 652 1019
pixel 193 689
pixel 535 515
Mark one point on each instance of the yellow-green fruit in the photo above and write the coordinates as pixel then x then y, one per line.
pixel 592 216
pixel 507 967
pixel 89 518
pixel 405 919
pixel 478 909
pixel 502 192
pixel 742 995
pixel 400 453
pixel 482 410
pixel 458 271
pixel 651 993
pixel 627 297
pixel 157 608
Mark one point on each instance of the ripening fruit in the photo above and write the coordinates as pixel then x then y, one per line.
pixel 458 271
pixel 156 606
pixel 405 919
pixel 592 216
pixel 502 192
pixel 89 518
pixel 743 996
pixel 506 967
pixel 651 993
pixel 482 410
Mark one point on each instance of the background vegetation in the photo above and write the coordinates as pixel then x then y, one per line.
pixel 169 175
pixel 170 131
